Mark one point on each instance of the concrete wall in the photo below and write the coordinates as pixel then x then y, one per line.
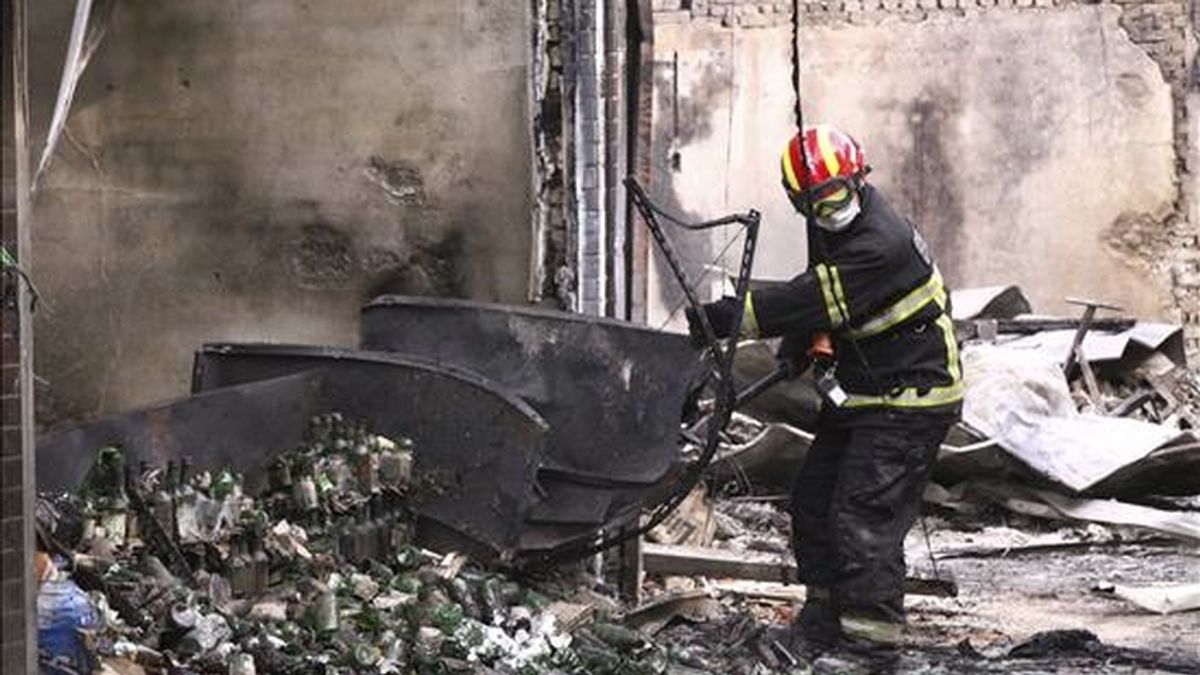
pixel 1016 159
pixel 1033 145
pixel 720 109
pixel 254 171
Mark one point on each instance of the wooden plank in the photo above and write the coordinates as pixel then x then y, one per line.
pixel 754 565
pixel 761 590
pixel 570 616
pixel 695 606
pixel 1162 599
pixel 630 583
pixel 691 523
pixel 698 561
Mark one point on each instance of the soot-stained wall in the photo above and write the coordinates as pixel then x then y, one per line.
pixel 1015 158
pixel 254 171
pixel 1011 135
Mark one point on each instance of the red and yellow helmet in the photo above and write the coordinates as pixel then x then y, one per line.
pixel 836 167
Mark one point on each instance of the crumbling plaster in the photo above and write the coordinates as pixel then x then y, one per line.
pixel 254 171
pixel 1011 137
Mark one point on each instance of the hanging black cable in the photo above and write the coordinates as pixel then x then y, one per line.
pixel 806 181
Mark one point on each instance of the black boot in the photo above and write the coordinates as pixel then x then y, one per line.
pixel 858 657
pixel 816 629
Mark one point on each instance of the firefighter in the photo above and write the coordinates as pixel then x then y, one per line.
pixel 891 387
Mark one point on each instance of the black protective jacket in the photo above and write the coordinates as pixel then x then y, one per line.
pixel 873 286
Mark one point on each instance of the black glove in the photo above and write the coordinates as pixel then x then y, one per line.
pixel 793 355
pixel 721 316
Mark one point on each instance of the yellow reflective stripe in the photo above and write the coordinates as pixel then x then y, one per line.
pixel 946 325
pixel 831 203
pixel 910 398
pixel 838 293
pixel 828 154
pixel 749 319
pixel 835 316
pixel 789 171
pixel 933 290
pixel 835 196
pixel 870 629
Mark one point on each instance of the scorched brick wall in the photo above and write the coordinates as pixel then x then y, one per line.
pixel 16 475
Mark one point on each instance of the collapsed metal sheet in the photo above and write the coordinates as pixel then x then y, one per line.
pixel 613 395
pixel 772 458
pixel 1049 504
pixel 476 445
pixel 1021 399
pixel 491 482
pixel 234 427
pixel 988 302
pixel 1120 351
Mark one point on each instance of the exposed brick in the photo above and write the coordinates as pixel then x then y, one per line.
pixel 14 632
pixel 13 649
pixel 12 591
pixel 673 17
pixel 12 533
pixel 11 470
pixel 8 343
pixel 12 562
pixel 11 437
pixel 756 20
pixel 11 501
pixel 8 231
pixel 10 401
pixel 14 611
pixel 8 317
pixel 10 409
pixel 13 626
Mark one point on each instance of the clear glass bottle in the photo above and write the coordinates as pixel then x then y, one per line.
pixel 186 524
pixel 241 574
pixel 304 493
pixel 347 543
pixel 280 474
pixel 366 468
pixel 364 535
pixel 324 611
pixel 260 562
pixel 162 503
pixel 133 530
pixel 381 528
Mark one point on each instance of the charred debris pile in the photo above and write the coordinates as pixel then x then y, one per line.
pixel 1076 433
pixel 1091 419
pixel 158 569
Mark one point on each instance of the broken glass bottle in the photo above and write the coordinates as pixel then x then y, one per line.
pixel 241 573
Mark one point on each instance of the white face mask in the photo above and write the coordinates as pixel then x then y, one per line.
pixel 838 220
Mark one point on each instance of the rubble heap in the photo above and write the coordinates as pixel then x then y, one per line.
pixel 318 570
pixel 318 574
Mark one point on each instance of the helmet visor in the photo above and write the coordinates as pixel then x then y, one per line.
pixel 827 198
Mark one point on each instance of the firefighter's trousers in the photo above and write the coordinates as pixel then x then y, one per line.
pixel 855 499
